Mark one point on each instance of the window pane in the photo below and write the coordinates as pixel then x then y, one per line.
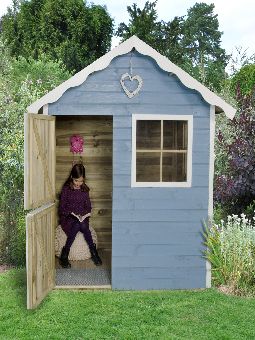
pixel 148 166
pixel 175 135
pixel 174 167
pixel 148 134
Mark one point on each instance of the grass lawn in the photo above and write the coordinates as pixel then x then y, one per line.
pixel 203 314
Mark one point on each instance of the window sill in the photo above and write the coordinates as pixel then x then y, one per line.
pixel 161 184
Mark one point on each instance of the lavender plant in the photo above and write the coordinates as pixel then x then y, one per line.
pixel 231 251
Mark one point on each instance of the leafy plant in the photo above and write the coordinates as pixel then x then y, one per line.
pixel 243 84
pixel 14 241
pixel 231 251
pixel 219 214
pixel 240 58
pixel 72 31
pixel 235 187
pixel 245 77
pixel 213 254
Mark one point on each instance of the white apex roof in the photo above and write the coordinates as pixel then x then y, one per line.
pixel 141 47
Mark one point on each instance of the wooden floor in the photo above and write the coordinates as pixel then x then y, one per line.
pixel 105 255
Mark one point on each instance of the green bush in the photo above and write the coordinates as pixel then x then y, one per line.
pixel 14 240
pixel 219 213
pixel 21 83
pixel 245 79
pixel 231 251
pixel 73 31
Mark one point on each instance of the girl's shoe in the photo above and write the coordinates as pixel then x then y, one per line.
pixel 94 256
pixel 63 260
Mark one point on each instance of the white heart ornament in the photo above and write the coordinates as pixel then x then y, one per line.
pixel 125 76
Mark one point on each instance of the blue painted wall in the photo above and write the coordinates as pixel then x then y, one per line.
pixel 156 232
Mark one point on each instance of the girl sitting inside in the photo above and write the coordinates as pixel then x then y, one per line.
pixel 74 213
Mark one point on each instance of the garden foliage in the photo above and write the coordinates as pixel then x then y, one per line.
pixel 243 84
pixel 235 187
pixel 231 251
pixel 235 148
pixel 21 82
pixel 192 41
pixel 69 30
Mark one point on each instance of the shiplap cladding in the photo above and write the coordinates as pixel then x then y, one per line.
pixel 156 232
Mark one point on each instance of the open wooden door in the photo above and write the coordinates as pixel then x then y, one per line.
pixel 40 226
pixel 39 194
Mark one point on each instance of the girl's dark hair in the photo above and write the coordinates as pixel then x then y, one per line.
pixel 77 171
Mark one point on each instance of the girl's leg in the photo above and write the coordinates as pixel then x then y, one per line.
pixel 84 228
pixel 66 249
pixel 72 234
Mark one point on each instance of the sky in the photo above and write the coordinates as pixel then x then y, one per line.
pixel 236 18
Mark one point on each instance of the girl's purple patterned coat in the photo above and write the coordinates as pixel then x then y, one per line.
pixel 72 200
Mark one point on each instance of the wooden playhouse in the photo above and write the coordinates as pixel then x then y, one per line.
pixel 148 129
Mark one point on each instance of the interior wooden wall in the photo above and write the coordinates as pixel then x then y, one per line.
pixel 97 158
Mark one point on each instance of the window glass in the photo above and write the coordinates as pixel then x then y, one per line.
pixel 148 166
pixel 148 133
pixel 174 167
pixel 174 135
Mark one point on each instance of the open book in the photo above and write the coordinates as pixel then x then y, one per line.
pixel 80 217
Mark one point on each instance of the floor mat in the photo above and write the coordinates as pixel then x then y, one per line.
pixel 83 277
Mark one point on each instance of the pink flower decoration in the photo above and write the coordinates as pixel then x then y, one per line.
pixel 76 142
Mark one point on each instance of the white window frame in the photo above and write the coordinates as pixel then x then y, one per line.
pixel 189 119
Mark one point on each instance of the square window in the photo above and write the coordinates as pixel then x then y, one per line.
pixel 161 150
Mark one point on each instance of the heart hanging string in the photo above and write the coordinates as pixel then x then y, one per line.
pixel 76 145
pixel 131 78
pixel 130 64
